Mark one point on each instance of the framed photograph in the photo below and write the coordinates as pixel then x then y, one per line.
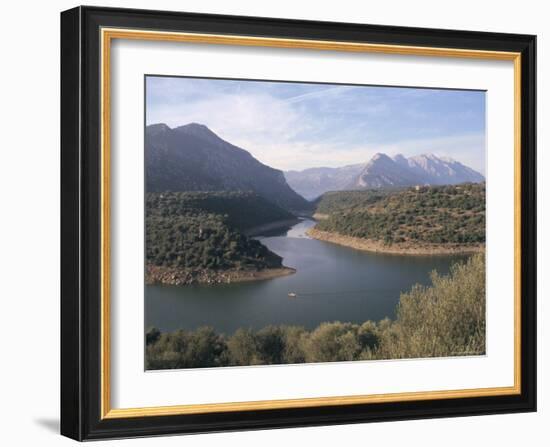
pixel 276 223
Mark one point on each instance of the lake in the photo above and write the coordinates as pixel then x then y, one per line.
pixel 331 283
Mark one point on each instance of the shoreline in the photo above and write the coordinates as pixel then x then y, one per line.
pixel 178 277
pixel 397 249
pixel 320 216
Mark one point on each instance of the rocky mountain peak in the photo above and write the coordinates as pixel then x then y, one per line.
pixel 155 129
pixel 198 130
pixel 380 156
pixel 383 172
pixel 401 160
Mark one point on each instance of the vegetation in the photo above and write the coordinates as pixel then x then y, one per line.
pixel 203 230
pixel 342 201
pixel 444 319
pixel 240 210
pixel 453 214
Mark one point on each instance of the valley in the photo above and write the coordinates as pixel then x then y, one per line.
pixel 303 222
pixel 208 201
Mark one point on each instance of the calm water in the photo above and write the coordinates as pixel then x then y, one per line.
pixel 331 283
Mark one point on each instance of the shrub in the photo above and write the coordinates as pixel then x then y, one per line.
pixel 333 342
pixel 242 348
pixel 446 319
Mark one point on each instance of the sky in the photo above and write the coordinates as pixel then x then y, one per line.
pixel 302 125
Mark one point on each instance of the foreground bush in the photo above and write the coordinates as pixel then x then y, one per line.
pixel 444 319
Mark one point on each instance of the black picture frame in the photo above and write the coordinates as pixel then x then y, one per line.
pixel 81 223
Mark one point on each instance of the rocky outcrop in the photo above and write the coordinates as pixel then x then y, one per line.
pixel 181 276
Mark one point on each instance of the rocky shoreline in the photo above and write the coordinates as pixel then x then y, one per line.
pixel 179 277
pixel 396 248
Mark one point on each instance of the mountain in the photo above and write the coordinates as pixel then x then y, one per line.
pixel 426 169
pixel 313 182
pixel 193 158
pixel 383 171
pixel 440 170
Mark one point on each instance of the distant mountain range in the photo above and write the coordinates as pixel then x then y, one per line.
pixel 382 172
pixel 193 158
pixel 312 183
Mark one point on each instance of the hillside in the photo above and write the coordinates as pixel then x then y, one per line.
pixel 241 210
pixel 416 220
pixel 193 158
pixel 383 172
pixel 333 202
pixel 199 237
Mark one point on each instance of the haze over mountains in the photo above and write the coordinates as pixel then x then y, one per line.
pixel 382 172
pixel 193 158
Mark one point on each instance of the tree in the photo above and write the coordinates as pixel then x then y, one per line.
pixel 332 342
pixel 152 335
pixel 242 348
pixel 270 345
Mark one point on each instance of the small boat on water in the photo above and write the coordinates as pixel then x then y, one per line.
pixel 292 295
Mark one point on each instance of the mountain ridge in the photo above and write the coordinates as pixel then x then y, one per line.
pixel 383 171
pixel 194 158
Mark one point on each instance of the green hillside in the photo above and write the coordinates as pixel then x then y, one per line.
pixel 241 210
pixel 430 214
pixel 199 232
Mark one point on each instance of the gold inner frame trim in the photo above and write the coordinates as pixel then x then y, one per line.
pixel 107 35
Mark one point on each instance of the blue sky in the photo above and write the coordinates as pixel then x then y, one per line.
pixel 300 125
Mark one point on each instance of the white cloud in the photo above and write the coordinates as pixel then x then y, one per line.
pixel 468 149
pixel 251 121
pixel 330 91
pixel 326 127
